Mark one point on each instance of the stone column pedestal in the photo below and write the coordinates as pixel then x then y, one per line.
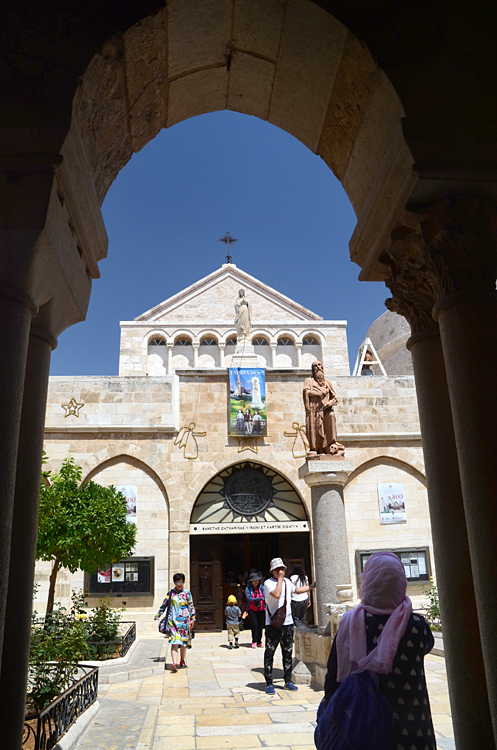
pixel 326 479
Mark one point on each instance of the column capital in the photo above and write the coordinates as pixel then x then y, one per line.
pixel 326 472
pixel 410 276
pixel 441 255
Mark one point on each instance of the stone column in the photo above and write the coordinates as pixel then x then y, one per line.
pixel 169 358
pixel 16 308
pixel 221 355
pixel 299 354
pixel 14 671
pixel 412 280
pixel 195 356
pixel 326 478
pixel 465 667
pixel 461 239
pixel 469 339
pixel 273 355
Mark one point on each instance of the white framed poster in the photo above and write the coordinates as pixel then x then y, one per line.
pixel 118 572
pixel 392 503
pixel 129 493
pixel 103 576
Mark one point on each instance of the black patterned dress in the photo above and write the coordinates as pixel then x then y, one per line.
pixel 405 686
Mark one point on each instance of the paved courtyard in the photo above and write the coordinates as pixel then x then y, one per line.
pixel 219 701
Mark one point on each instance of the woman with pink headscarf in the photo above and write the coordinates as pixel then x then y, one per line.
pixel 383 635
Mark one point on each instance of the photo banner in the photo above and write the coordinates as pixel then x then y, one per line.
pixel 248 414
pixel 392 503
pixel 129 493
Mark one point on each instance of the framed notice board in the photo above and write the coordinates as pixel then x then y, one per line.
pixel 133 576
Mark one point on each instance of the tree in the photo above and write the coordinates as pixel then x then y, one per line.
pixel 81 525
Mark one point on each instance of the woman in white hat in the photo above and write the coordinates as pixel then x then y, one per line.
pixel 278 592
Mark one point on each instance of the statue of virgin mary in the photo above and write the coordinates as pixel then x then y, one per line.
pixel 243 317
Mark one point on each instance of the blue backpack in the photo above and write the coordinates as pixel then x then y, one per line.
pixel 357 717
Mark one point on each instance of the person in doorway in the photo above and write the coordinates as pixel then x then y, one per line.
pixel 233 614
pixel 278 592
pixel 241 599
pixel 383 635
pixel 256 608
pixel 300 602
pixel 180 620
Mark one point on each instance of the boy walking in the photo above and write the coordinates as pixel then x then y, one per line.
pixel 233 614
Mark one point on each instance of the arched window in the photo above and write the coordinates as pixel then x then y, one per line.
pixel 260 341
pixel 157 342
pixel 310 341
pixel 183 341
pixel 208 341
pixel 285 341
pixel 231 341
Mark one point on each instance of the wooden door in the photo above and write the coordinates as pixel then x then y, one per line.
pixel 205 577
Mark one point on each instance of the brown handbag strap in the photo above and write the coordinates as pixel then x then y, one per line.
pixel 286 599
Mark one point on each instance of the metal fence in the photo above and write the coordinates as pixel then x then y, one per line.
pixel 48 726
pixel 123 643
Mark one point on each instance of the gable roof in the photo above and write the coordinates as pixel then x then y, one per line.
pixel 218 292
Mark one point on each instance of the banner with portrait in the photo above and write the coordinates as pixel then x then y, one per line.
pixel 129 493
pixel 247 404
pixel 392 503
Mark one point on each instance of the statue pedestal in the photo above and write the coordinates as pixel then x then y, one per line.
pixel 244 356
pixel 326 479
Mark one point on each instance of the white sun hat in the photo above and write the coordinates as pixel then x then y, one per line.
pixel 276 562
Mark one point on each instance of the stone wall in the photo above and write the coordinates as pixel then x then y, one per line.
pixel 332 350
pixel 130 440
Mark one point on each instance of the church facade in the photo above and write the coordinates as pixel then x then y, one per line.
pixel 212 500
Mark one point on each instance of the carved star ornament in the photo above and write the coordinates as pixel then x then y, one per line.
pixel 72 408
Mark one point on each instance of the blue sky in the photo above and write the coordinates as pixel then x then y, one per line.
pixel 169 206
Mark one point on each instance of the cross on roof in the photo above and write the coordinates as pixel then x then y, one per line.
pixel 228 239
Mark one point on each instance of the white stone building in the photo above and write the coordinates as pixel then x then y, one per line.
pixel 161 427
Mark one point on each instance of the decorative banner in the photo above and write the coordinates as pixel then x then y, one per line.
pixel 103 576
pixel 118 572
pixel 129 493
pixel 392 503
pixel 248 415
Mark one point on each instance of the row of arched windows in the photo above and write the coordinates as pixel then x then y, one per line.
pixel 257 341
pixel 207 353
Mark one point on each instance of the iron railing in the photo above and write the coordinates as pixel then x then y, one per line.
pixel 128 638
pixel 54 721
pixel 123 642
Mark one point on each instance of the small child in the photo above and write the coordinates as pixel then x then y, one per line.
pixel 233 614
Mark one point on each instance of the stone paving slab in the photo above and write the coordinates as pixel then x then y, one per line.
pixel 219 702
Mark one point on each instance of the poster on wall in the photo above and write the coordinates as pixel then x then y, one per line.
pixel 392 503
pixel 129 493
pixel 248 414
pixel 118 572
pixel 103 576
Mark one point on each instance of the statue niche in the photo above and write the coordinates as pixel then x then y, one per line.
pixel 320 422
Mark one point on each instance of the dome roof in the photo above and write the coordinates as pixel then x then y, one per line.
pixel 389 334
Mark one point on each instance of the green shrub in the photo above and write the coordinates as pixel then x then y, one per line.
pixel 433 609
pixel 103 628
pixel 58 642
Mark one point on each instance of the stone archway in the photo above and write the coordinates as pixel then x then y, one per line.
pixel 241 56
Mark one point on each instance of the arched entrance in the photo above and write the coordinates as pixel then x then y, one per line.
pixel 246 515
